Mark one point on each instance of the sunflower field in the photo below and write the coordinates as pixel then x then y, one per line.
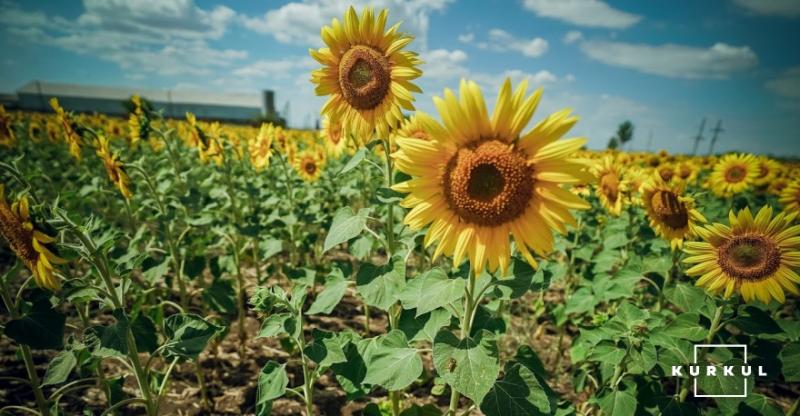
pixel 478 261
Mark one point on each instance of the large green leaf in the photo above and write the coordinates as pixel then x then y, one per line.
pixel 40 328
pixel 790 358
pixel 423 327
pixel 518 393
pixel 272 382
pixel 110 340
pixel 518 281
pixel 326 349
pixel 326 301
pixel 221 296
pixel 469 365
pixel 430 290
pixel 144 332
pixel 381 285
pixel 350 374
pixel 392 363
pixel 279 323
pixel 685 326
pixel 187 335
pixel 59 368
pixel 618 403
pixel 346 225
pixel 354 161
pixel 686 297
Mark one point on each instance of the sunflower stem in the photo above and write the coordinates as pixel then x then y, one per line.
pixel 470 306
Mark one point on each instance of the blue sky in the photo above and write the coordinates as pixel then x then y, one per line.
pixel 663 65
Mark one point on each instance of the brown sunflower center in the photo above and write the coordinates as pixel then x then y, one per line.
pixel 19 238
pixel 669 210
pixel 749 257
pixel 735 174
pixel 666 174
pixel 488 183
pixel 364 77
pixel 609 185
pixel 685 172
pixel 763 171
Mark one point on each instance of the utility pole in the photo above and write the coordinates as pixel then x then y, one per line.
pixel 650 141
pixel 699 136
pixel 717 130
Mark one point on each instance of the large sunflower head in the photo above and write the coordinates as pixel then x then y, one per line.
pixel 757 257
pixel 309 164
pixel 32 246
pixel 366 73
pixel 672 215
pixel 476 179
pixel 733 174
pixel 790 197
pixel 610 186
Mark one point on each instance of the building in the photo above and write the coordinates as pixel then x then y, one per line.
pixel 236 108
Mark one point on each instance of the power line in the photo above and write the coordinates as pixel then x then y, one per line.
pixel 717 130
pixel 699 137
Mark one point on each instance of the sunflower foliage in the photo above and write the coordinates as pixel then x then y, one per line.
pixel 474 261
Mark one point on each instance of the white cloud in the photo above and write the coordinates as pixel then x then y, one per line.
pixel 502 41
pixel 466 37
pixel 787 84
pixel 591 13
pixel 444 64
pixel 280 68
pixel 674 61
pixel 783 8
pixel 163 37
pixel 572 36
pixel 300 22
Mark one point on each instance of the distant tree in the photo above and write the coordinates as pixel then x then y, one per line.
pixel 613 143
pixel 624 133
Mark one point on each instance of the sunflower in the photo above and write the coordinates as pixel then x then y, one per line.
pixel 672 215
pixel 309 164
pixel 666 172
pixel 114 167
pixel 768 170
pixel 366 73
pixel 790 197
pixel 260 147
pixel 31 245
pixel 7 135
pixel 333 136
pixel 476 180
pixel 72 138
pixel 35 132
pixel 686 172
pixel 610 186
pixel 757 257
pixel 733 174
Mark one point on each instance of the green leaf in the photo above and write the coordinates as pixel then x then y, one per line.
pixel 110 340
pixel 527 356
pixel 392 363
pixel 59 368
pixel 685 326
pixel 582 301
pixel 755 321
pixel 272 382
pixel 469 365
pixel 618 403
pixel 615 240
pixel 790 357
pixel 187 335
pixel 144 332
pixel 350 374
pixel 721 384
pixel 381 285
pixel 270 247
pixel 423 327
pixel 326 349
pixel 221 296
pixel 40 328
pixel 335 286
pixel 346 225
pixel 686 297
pixel 518 393
pixel 157 272
pixel 278 323
pixel 354 161
pixel 430 290
pixel 518 282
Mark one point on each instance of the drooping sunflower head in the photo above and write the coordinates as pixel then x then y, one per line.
pixel 756 257
pixel 260 147
pixel 610 187
pixel 309 164
pixel 790 197
pixel 32 246
pixel 334 137
pixel 476 179
pixel 671 213
pixel 366 72
pixel 733 174
pixel 114 167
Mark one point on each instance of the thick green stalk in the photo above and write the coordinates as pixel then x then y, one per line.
pixel 716 324
pixel 470 306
